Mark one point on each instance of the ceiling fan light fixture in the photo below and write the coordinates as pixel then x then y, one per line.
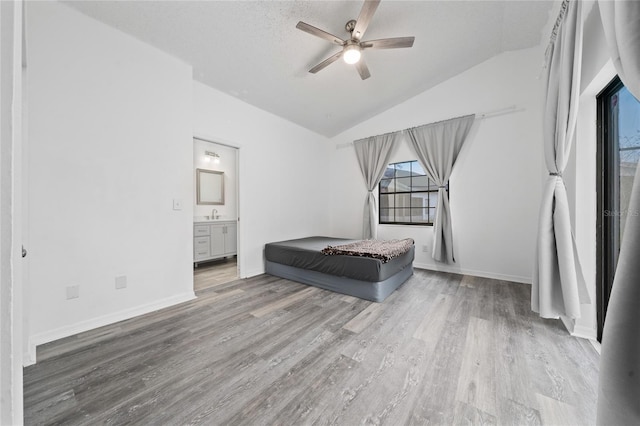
pixel 351 54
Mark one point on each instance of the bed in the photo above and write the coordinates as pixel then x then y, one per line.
pixel 368 278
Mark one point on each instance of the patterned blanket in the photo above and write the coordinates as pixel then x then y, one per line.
pixel 384 250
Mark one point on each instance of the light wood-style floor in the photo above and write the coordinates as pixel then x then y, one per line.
pixel 214 273
pixel 443 349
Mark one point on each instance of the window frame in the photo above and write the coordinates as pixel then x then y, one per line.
pixel 608 200
pixel 432 188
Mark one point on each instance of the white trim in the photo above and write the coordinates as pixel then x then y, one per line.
pixel 475 273
pixel 112 318
pixel 579 331
pixel 221 141
pixel 253 273
pixel 584 332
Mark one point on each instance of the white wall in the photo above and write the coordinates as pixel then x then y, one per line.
pixel 227 165
pixel 110 148
pixel 496 185
pixel 284 192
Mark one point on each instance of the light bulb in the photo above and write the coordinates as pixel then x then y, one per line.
pixel 351 54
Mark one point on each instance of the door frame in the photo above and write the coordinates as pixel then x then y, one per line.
pixel 607 231
pixel 11 128
pixel 237 147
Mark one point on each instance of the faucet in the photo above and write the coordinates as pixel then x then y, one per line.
pixel 214 214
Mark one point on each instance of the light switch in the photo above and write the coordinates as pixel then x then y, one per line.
pixel 177 204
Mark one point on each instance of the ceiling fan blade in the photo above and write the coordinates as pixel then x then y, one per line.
pixel 363 70
pixel 368 9
pixel 319 33
pixel 388 43
pixel 326 63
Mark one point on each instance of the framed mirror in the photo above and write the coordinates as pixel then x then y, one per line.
pixel 209 187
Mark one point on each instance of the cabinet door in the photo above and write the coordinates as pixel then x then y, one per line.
pixel 231 239
pixel 217 240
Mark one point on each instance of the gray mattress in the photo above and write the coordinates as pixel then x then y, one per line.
pixel 302 260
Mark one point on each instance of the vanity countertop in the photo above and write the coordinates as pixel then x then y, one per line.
pixel 203 220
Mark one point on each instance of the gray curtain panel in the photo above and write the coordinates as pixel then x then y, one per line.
pixel 619 382
pixel 558 284
pixel 437 146
pixel 373 155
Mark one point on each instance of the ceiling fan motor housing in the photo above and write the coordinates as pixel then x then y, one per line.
pixel 350 25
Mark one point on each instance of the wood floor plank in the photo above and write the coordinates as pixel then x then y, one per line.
pixel 442 349
pixel 476 382
pixel 434 321
pixel 364 319
pixel 282 303
pixel 554 412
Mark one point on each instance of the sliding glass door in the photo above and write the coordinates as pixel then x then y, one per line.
pixel 618 155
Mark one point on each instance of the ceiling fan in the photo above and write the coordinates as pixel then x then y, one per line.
pixel 353 46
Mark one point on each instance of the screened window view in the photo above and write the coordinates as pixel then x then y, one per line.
pixel 407 196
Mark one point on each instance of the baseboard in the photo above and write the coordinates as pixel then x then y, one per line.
pixel 475 273
pixel 253 273
pixel 101 321
pixel 584 332
pixel 579 331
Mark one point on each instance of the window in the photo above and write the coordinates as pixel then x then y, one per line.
pixel 407 196
pixel 618 155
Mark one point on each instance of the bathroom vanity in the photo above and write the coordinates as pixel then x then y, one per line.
pixel 214 239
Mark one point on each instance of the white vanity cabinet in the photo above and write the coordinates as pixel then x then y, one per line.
pixel 214 240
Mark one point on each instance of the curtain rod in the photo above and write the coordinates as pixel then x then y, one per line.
pixel 481 116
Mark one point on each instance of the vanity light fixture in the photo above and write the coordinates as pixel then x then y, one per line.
pixel 216 157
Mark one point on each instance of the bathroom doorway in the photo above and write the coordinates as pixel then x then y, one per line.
pixel 215 211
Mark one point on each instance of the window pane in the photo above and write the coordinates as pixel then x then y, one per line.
pixel 432 215
pixel 386 215
pixel 406 194
pixel 420 183
pixel 403 169
pixel 420 215
pixel 403 215
pixel 386 201
pixel 627 111
pixel 628 114
pixel 403 184
pixel 387 185
pixel 419 199
pixel 433 199
pixel 417 168
pixel 403 200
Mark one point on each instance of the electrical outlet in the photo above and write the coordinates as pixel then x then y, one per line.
pixel 73 292
pixel 121 282
pixel 425 249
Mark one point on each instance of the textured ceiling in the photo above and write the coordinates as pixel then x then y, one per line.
pixel 252 50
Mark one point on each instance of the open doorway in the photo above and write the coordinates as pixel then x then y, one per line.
pixel 215 211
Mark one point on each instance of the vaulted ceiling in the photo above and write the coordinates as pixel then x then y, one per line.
pixel 252 50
